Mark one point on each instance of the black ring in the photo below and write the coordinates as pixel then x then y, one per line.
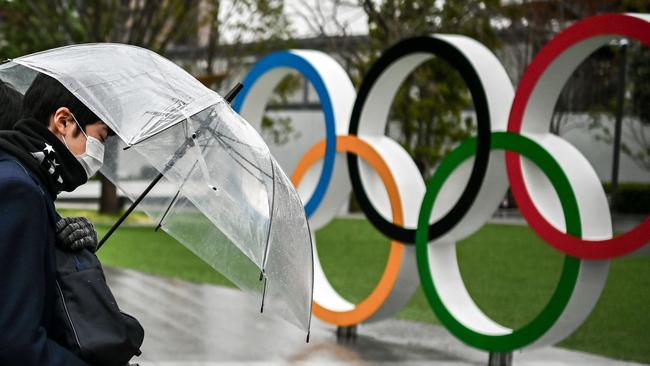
pixel 456 59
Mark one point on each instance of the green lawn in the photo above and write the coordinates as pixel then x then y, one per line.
pixel 507 269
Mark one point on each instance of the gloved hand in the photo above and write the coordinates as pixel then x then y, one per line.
pixel 76 233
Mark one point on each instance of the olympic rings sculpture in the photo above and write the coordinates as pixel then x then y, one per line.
pixel 556 189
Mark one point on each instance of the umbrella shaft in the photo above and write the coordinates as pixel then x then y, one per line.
pixel 129 210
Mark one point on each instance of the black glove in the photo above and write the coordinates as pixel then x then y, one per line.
pixel 76 233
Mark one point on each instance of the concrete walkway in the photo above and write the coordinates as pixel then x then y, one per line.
pixel 190 324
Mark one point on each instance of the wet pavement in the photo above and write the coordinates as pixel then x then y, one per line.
pixel 204 325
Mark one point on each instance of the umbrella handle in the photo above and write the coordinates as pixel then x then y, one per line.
pixel 229 98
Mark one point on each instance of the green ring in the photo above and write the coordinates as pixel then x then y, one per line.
pixel 532 331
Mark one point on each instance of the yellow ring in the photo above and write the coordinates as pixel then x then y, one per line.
pixel 366 308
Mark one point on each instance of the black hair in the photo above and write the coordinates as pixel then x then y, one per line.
pixel 46 95
pixel 10 105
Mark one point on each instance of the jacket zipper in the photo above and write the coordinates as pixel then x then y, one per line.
pixel 65 307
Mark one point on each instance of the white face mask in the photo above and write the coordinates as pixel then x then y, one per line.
pixel 93 158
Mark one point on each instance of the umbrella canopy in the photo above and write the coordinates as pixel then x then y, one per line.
pixel 222 194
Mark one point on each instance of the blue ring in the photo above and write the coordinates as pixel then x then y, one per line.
pixel 294 61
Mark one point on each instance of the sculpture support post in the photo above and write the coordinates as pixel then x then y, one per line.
pixel 500 359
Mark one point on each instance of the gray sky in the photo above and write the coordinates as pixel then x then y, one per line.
pixel 307 16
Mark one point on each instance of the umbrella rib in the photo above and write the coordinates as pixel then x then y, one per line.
pixel 167 210
pixel 241 164
pixel 311 300
pixel 130 145
pixel 246 160
pixel 263 295
pixel 168 108
pixel 223 143
pixel 235 140
pixel 268 236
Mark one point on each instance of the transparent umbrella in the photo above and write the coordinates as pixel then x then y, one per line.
pixel 218 190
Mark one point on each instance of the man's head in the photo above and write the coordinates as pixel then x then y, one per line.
pixel 49 102
pixel 11 101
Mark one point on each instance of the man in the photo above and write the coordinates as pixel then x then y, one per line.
pixel 73 232
pixel 56 146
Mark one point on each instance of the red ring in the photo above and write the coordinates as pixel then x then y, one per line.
pixel 607 24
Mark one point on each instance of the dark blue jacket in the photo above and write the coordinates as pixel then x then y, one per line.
pixel 27 286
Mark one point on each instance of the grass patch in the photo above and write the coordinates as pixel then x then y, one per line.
pixel 143 249
pixel 508 270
